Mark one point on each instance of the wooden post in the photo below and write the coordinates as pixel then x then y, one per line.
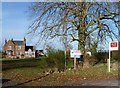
pixel 74 62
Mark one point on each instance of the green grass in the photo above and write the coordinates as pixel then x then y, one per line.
pixel 21 63
pixel 22 75
pixel 22 70
pixel 31 71
pixel 69 76
pixel 36 62
pixel 92 71
pixel 99 72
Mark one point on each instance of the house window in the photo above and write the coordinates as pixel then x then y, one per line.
pixel 18 53
pixel 9 47
pixel 19 47
pixel 26 53
pixel 9 53
pixel 32 53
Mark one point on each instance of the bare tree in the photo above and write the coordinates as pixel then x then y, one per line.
pixel 79 21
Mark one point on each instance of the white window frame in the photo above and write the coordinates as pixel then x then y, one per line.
pixel 19 47
pixel 10 47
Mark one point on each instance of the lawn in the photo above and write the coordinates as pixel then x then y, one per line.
pixel 21 63
pixel 69 77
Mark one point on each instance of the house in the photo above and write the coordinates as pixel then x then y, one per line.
pixel 39 53
pixel 30 51
pixel 18 49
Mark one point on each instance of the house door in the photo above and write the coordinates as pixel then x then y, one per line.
pixel 9 53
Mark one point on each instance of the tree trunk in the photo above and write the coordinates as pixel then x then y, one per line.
pixel 82 38
pixel 85 57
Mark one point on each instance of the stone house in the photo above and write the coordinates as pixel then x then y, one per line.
pixel 18 49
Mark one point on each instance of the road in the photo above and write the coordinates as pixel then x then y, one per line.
pixel 113 82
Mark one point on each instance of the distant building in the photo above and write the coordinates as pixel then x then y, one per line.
pixel 39 53
pixel 18 49
pixel 30 51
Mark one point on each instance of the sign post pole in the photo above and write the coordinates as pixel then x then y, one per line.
pixel 109 62
pixel 65 59
pixel 74 62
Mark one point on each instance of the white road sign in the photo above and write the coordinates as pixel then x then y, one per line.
pixel 75 53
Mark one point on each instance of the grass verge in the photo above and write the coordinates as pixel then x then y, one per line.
pixel 69 77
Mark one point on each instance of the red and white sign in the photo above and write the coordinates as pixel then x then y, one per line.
pixel 74 53
pixel 113 45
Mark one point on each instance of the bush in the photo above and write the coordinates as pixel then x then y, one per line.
pixel 115 55
pixel 101 57
pixel 56 58
pixel 69 63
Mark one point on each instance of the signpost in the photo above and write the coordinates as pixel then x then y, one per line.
pixel 75 54
pixel 65 58
pixel 112 46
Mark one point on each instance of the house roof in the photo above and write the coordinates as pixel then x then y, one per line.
pixel 18 42
pixel 39 50
pixel 29 47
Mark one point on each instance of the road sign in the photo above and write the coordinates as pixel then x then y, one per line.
pixel 75 53
pixel 112 46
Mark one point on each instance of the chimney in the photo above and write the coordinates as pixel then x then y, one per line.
pixel 24 40
pixel 5 40
pixel 12 39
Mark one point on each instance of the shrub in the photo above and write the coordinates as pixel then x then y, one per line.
pixel 56 58
pixel 93 60
pixel 101 57
pixel 115 55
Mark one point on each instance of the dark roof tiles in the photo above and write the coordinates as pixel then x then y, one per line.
pixel 18 42
pixel 29 47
